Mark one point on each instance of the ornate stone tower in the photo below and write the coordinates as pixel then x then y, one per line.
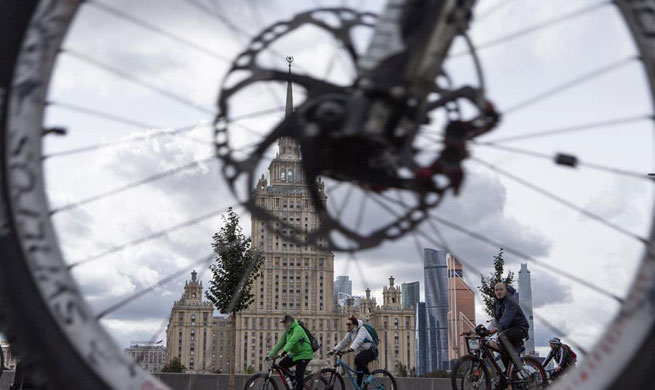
pixel 391 295
pixel 368 304
pixel 190 336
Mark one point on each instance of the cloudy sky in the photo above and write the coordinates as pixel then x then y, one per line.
pixel 490 204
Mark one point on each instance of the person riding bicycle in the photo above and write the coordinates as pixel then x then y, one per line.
pixel 360 341
pixel 296 344
pixel 561 356
pixel 509 322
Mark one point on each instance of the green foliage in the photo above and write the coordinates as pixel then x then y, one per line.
pixel 402 369
pixel 250 370
pixel 174 366
pixel 236 267
pixel 487 283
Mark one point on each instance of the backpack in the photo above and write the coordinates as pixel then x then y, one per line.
pixel 570 351
pixel 374 335
pixel 312 340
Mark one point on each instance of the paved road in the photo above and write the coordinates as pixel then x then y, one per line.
pixel 207 382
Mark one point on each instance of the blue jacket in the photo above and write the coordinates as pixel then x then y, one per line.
pixel 508 313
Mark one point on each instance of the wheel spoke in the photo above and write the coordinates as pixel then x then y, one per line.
pixel 158 134
pixel 575 128
pixel 149 237
pixel 164 281
pixel 147 180
pixel 157 30
pixel 101 114
pixel 560 200
pixel 129 77
pixel 570 83
pixel 500 4
pixel 496 244
pixel 219 16
pixel 531 153
pixel 535 27
pixel 477 271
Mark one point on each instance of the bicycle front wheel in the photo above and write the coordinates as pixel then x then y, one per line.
pixel 470 373
pixel 382 380
pixel 330 379
pixel 260 381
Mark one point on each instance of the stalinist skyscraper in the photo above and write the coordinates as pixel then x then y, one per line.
pixel 295 280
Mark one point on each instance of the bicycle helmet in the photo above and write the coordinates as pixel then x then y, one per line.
pixel 555 340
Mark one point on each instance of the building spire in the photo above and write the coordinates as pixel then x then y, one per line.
pixel 289 107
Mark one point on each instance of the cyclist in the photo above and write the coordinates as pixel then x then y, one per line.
pixel 509 322
pixel 562 357
pixel 360 341
pixel 295 343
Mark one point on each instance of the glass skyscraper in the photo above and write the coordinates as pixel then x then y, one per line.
pixel 411 294
pixel 436 306
pixel 342 285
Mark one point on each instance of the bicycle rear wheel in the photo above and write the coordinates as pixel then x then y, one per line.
pixel 260 381
pixel 469 373
pixel 537 379
pixel 382 380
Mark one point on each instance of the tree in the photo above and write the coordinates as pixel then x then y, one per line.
pixel 401 369
pixel 174 366
pixel 487 283
pixel 235 269
pixel 250 370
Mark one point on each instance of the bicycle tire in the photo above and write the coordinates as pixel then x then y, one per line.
pixel 37 333
pixel 267 381
pixel 333 378
pixel 47 328
pixel 387 374
pixel 454 379
pixel 534 363
pixel 311 381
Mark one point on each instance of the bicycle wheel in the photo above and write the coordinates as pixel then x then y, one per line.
pixel 316 381
pixel 330 379
pixel 260 381
pixel 382 380
pixel 469 373
pixel 49 321
pixel 536 375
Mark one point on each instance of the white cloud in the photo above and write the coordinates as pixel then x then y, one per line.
pixel 491 205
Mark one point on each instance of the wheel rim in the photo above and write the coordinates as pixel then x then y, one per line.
pixel 628 329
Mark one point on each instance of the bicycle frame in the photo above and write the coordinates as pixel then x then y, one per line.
pixel 347 370
pixel 485 353
pixel 281 372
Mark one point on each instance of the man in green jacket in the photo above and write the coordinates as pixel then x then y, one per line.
pixel 296 344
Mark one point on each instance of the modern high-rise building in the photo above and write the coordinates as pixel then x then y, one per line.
pixel 461 302
pixel 436 306
pixel 344 285
pixel 421 339
pixel 525 301
pixel 411 294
